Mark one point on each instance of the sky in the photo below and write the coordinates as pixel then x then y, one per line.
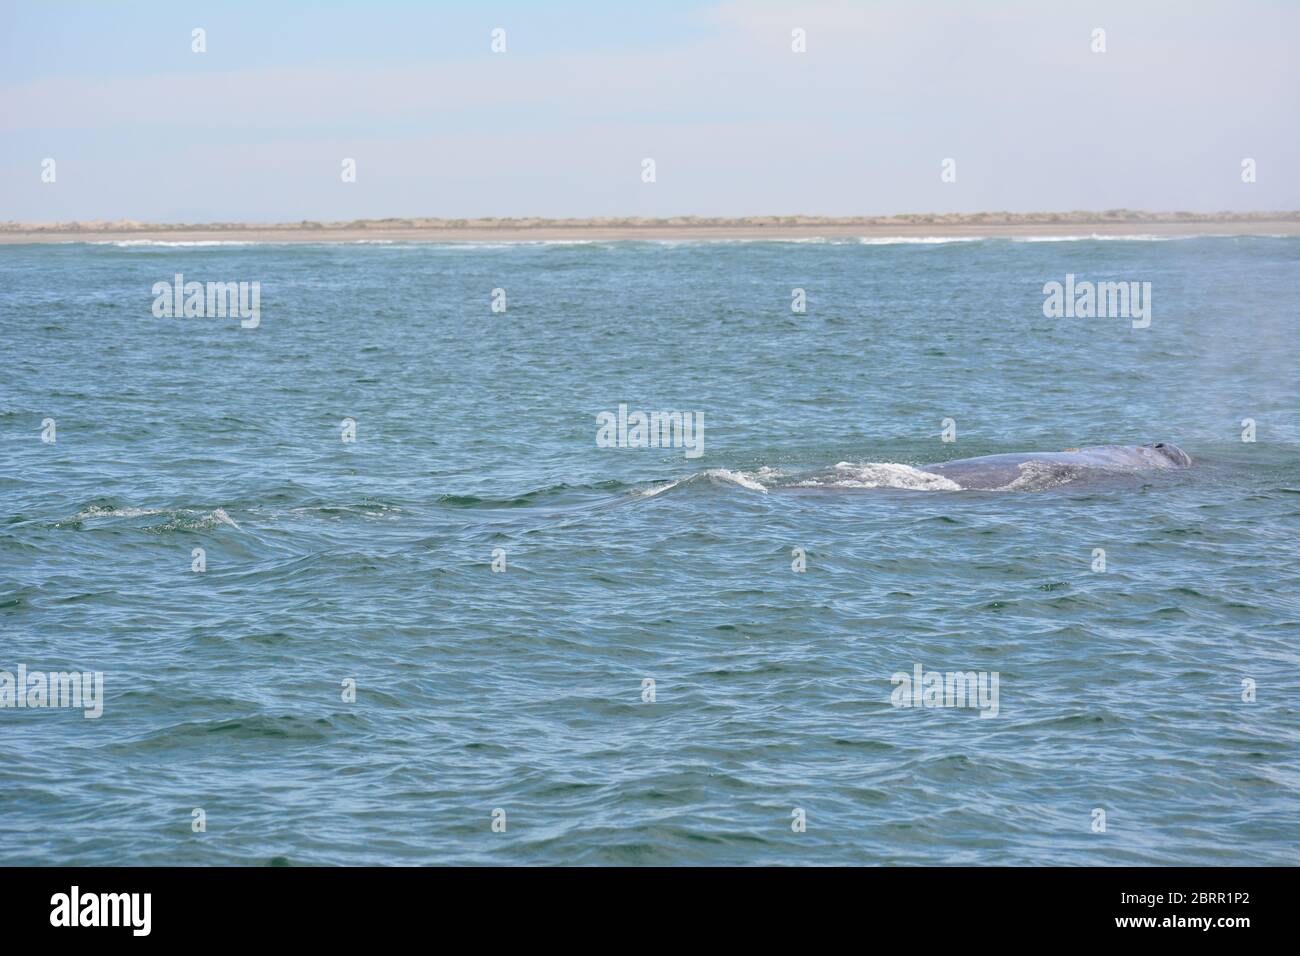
pixel 257 127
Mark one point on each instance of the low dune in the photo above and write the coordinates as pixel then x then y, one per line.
pixel 991 224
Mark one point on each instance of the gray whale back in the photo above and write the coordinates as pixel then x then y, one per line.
pixel 1045 469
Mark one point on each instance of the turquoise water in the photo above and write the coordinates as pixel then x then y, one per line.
pixel 522 690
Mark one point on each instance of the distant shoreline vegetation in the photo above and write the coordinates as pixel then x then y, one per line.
pixel 1110 217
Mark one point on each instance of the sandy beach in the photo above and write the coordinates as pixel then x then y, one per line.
pixel 974 225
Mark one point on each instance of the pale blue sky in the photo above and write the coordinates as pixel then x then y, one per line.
pixel 256 127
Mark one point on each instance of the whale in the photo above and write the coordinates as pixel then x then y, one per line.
pixel 1015 472
pixel 1037 469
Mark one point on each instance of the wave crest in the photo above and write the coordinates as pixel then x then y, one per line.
pixel 720 476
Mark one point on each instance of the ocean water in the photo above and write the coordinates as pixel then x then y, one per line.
pixel 523 690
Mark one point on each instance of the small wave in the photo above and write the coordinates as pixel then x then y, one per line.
pixel 880 475
pixel 479 245
pixel 373 509
pixel 556 242
pixel 916 240
pixel 1139 237
pixel 526 498
pixel 255 727
pixel 714 475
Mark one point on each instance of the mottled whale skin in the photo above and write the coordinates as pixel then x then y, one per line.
pixel 993 472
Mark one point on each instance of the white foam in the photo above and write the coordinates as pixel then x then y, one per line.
pixel 877 474
pixel 220 515
pixel 99 511
pixel 735 478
